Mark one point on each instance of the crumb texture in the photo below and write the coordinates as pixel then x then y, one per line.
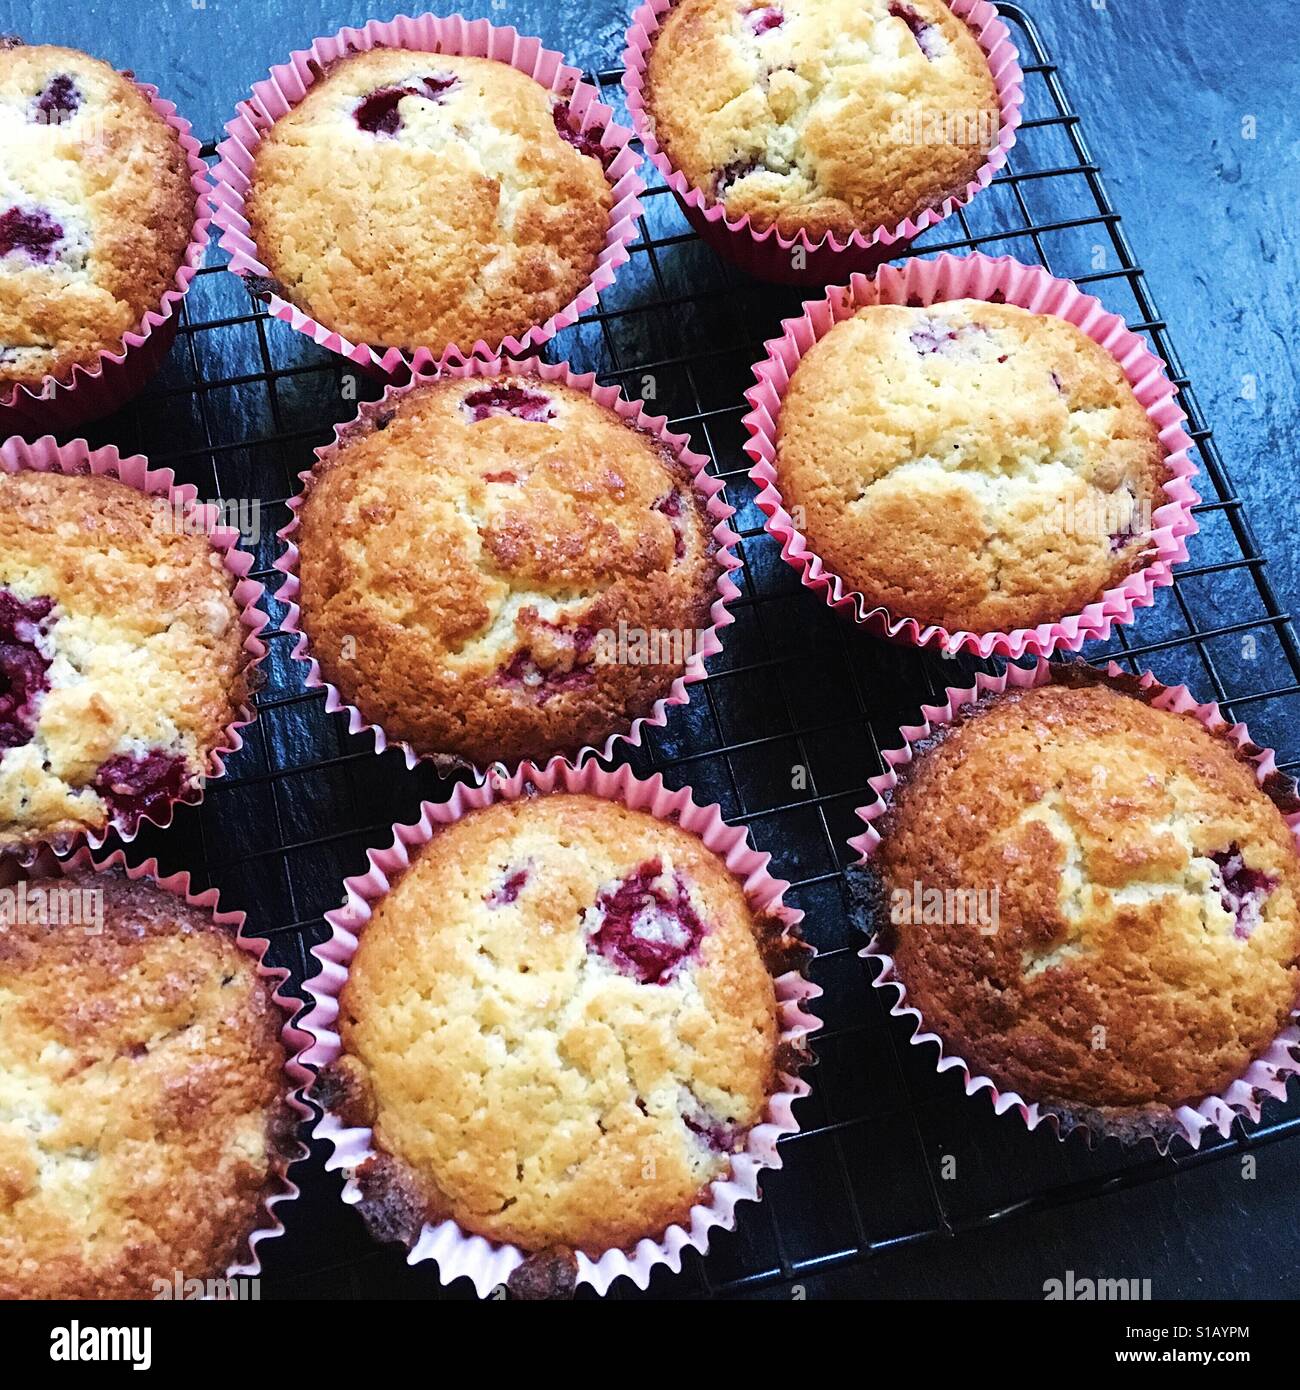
pixel 426 199
pixel 96 210
pixel 121 654
pixel 140 1096
pixel 1147 942
pixel 969 464
pixel 467 560
pixel 823 115
pixel 527 1080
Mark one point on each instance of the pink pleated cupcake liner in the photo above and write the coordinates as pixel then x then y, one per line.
pixel 46 455
pixel 488 1264
pixel 288 83
pixel 1001 280
pixel 88 393
pixel 798 259
pixel 280 1189
pixel 1265 1077
pixel 610 397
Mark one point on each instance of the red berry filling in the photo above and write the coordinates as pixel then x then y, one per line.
pixel 524 673
pixel 23 666
pixel 60 98
pixel 733 173
pixel 1242 890
pixel 934 335
pixel 35 233
pixel 584 141
pixel 134 785
pixel 926 34
pixel 508 889
pixel 764 19
pixel 714 1133
pixel 646 927
pixel 378 113
pixel 671 507
pixel 532 406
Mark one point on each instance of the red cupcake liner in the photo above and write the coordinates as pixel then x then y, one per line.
pixel 632 411
pixel 87 393
pixel 976 276
pixel 47 455
pixel 1266 1076
pixel 288 83
pixel 280 1189
pixel 488 1264
pixel 769 255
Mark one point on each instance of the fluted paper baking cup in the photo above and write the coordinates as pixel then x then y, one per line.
pixel 46 455
pixel 798 259
pixel 488 1264
pixel 1267 1074
pixel 87 393
pixel 288 83
pixel 279 1189
pixel 611 398
pixel 924 282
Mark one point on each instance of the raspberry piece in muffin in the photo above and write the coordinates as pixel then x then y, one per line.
pixel 465 569
pixel 969 464
pixel 571 1073
pixel 121 656
pixel 1146 943
pixel 821 115
pixel 96 211
pixel 425 199
pixel 142 1110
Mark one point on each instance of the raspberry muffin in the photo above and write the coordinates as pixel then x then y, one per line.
pixel 1143 945
pixel 426 199
pixel 142 1111
pixel 500 568
pixel 121 656
pixel 96 211
pixel 821 116
pixel 971 465
pixel 560 1024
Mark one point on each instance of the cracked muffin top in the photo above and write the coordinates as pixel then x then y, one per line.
pixel 1145 942
pixel 560 1026
pixel 426 199
pixel 142 1111
pixel 500 568
pixel 121 655
pixel 821 115
pixel 969 464
pixel 96 210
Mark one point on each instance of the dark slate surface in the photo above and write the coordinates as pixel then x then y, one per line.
pixel 1165 88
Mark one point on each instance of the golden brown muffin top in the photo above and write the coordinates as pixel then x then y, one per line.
pixel 96 210
pixel 121 654
pixel 560 1026
pixel 822 115
pixel 969 464
pixel 467 558
pixel 1145 945
pixel 141 1107
pixel 424 199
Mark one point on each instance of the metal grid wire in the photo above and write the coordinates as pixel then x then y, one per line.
pixel 238 410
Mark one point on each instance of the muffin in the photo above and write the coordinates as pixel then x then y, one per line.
pixel 970 464
pixel 121 656
pixel 821 116
pixel 499 568
pixel 428 199
pixel 142 1115
pixel 560 1023
pixel 96 211
pixel 1091 900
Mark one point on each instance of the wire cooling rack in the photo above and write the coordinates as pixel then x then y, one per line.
pixel 237 411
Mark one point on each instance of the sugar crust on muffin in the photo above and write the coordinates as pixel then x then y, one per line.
pixel 424 199
pixel 969 464
pixel 821 115
pixel 96 210
pixel 561 1024
pixel 467 558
